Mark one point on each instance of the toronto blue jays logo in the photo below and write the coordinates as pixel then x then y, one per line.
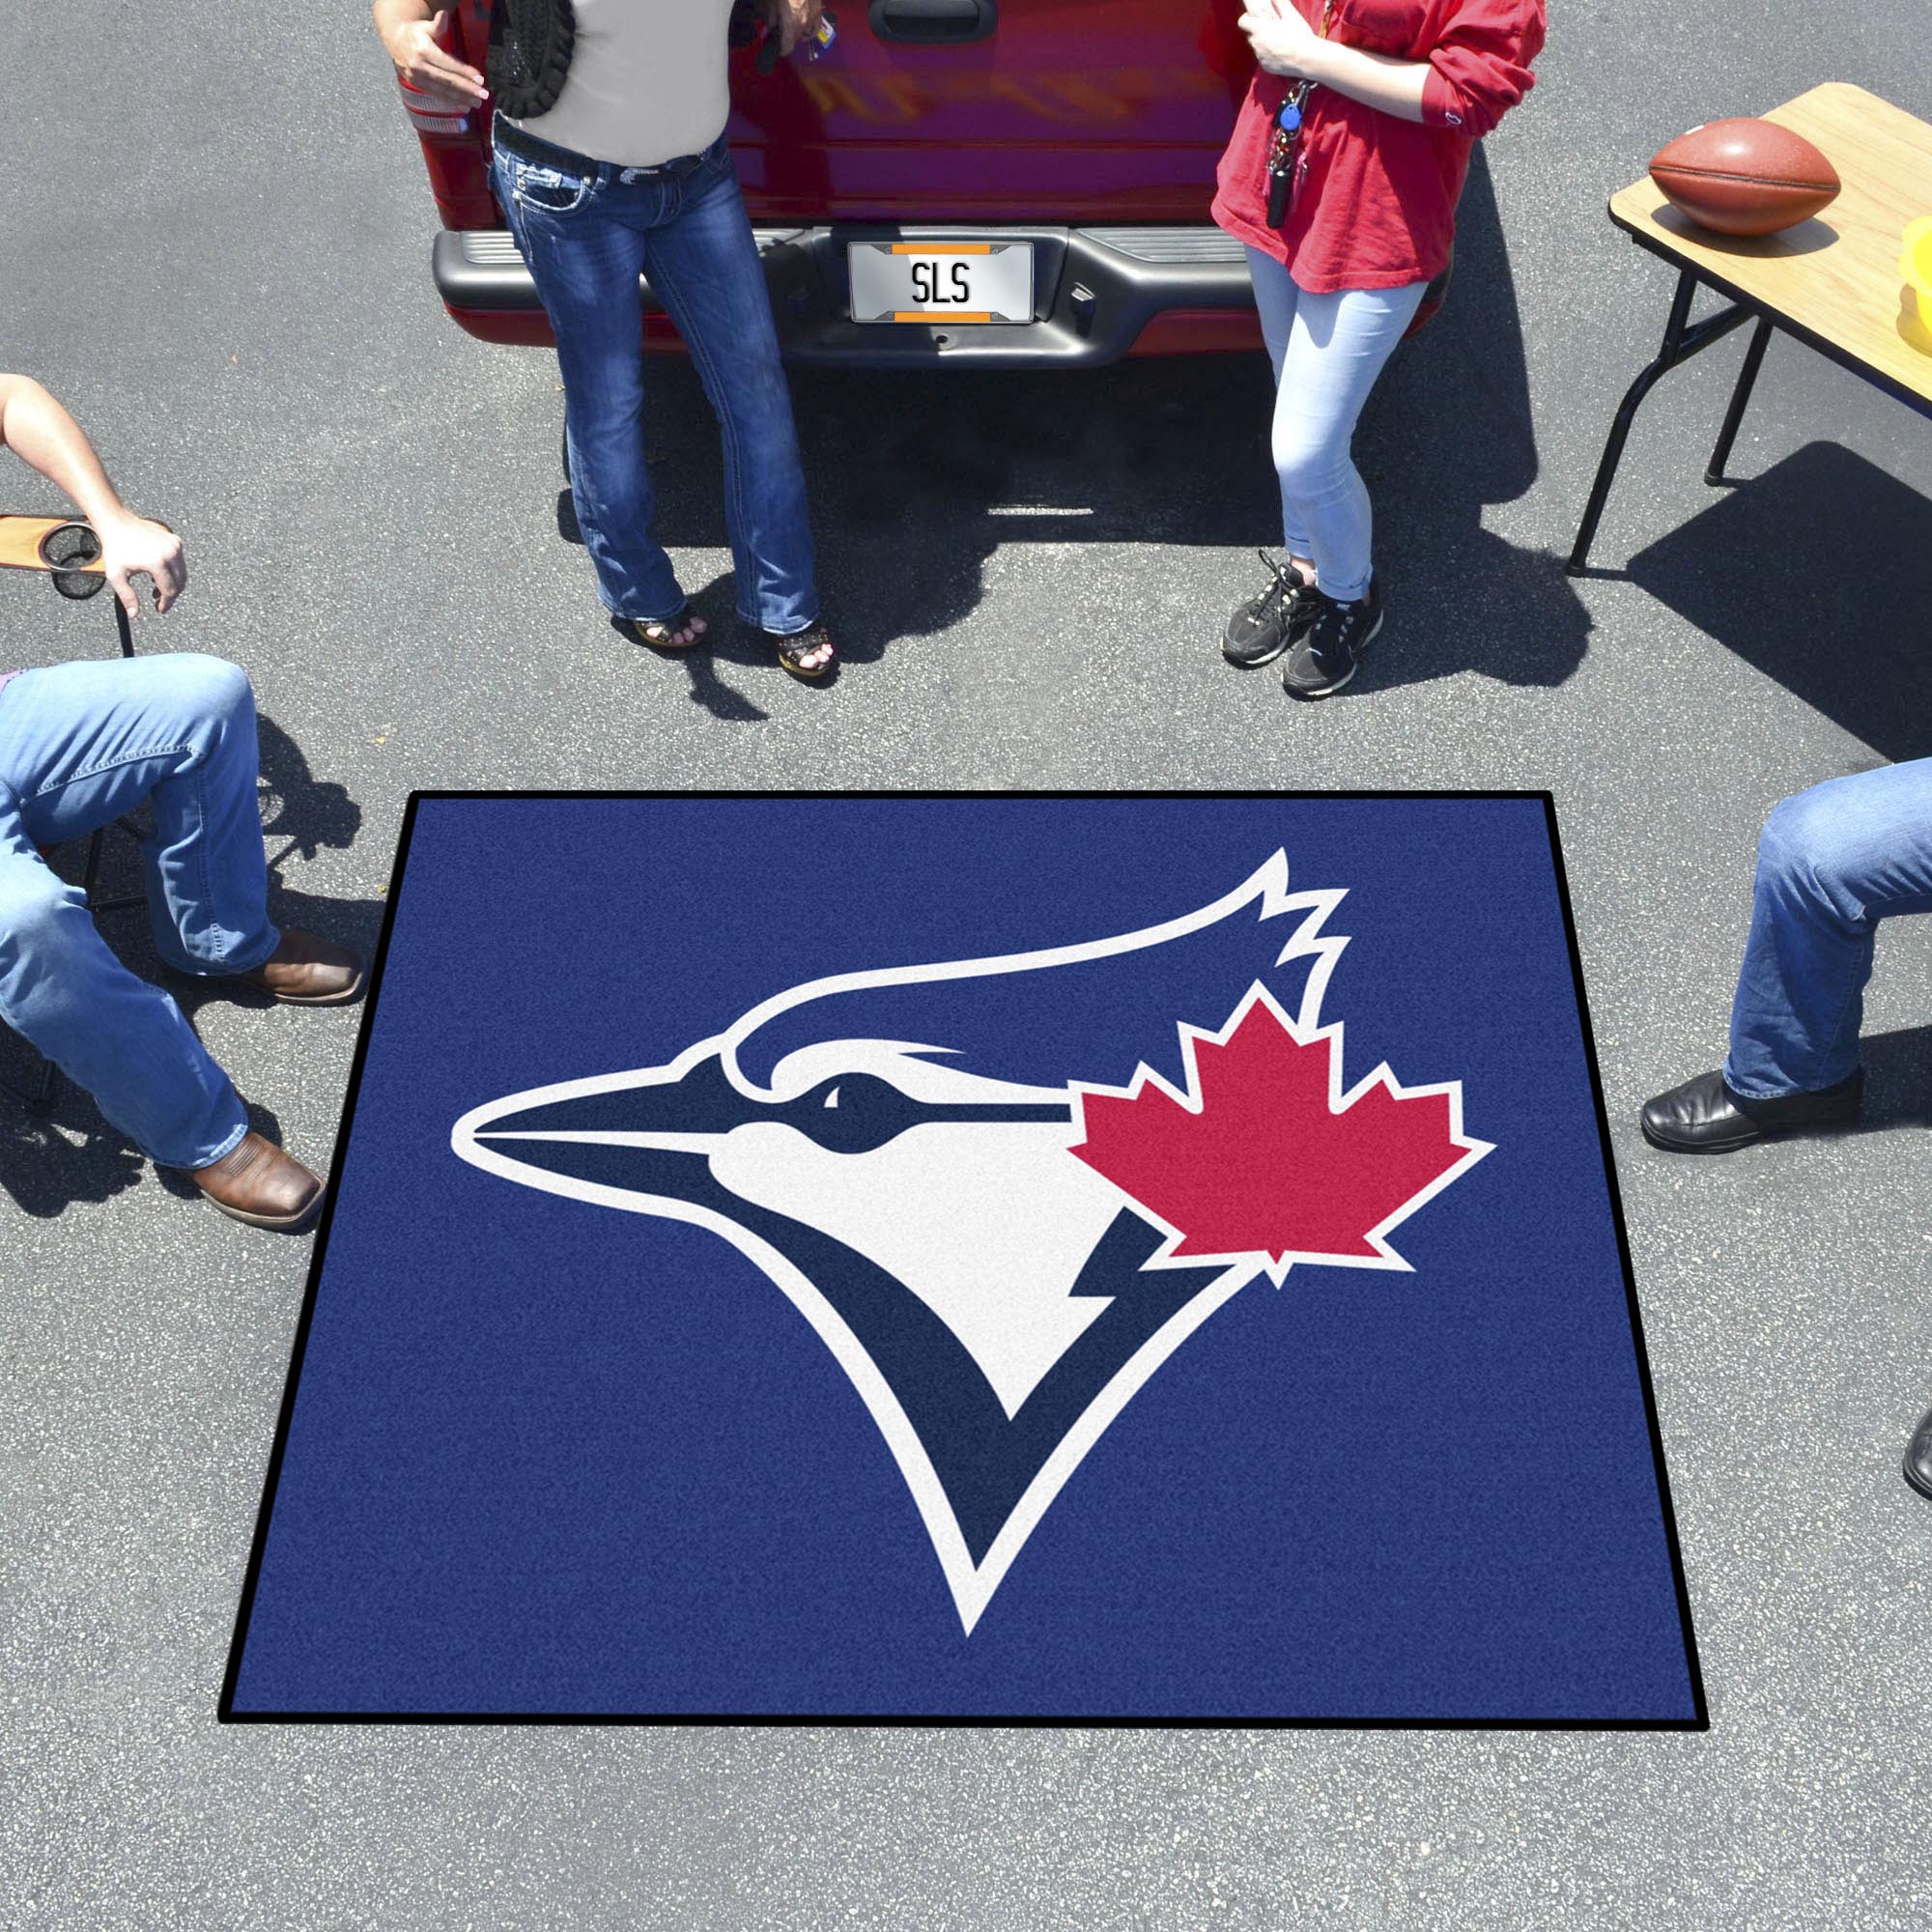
pixel 1000 1230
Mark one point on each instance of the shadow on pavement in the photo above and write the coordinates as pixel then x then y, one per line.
pixel 50 1162
pixel 306 811
pixel 1447 433
pixel 1898 1078
pixel 43 1171
pixel 1819 573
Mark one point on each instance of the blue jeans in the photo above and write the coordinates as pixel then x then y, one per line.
pixel 1832 863
pixel 588 230
pixel 1327 351
pixel 81 745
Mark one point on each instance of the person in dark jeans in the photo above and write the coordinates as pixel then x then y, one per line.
pixel 610 163
pixel 1834 862
pixel 83 744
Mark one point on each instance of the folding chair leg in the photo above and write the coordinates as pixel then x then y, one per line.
pixel 43 1095
pixel 125 631
pixel 91 872
pixel 46 1096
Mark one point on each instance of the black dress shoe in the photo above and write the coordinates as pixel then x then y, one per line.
pixel 1703 1116
pixel 1918 1456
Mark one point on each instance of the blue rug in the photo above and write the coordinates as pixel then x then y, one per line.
pixel 1020 1259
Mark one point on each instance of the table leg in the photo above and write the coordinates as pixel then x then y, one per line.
pixel 1681 342
pixel 1740 397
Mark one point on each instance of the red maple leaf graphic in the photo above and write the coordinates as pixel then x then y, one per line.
pixel 1267 1165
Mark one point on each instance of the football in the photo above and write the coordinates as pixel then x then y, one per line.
pixel 1744 177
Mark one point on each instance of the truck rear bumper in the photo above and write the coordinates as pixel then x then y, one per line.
pixel 1099 293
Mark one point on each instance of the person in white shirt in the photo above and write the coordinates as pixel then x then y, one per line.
pixel 609 164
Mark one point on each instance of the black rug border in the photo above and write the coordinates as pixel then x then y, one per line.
pixel 227 1714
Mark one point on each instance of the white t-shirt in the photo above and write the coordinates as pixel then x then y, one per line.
pixel 646 82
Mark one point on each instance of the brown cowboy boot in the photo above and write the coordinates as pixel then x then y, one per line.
pixel 306 970
pixel 257 1183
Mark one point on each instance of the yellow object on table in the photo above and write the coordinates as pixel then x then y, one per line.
pixel 1914 315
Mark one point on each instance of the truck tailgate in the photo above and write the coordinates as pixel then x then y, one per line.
pixel 1065 110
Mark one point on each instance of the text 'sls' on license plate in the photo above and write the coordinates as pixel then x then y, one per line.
pixel 941 281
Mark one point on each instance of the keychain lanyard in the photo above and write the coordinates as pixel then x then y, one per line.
pixel 1287 136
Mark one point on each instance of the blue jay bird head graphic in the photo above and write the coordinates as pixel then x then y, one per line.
pixel 897 1150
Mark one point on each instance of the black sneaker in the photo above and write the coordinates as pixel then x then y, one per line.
pixel 1264 625
pixel 1326 657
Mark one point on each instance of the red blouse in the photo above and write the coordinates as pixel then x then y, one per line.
pixel 1375 199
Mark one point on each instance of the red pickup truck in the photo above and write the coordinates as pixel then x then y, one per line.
pixel 1014 182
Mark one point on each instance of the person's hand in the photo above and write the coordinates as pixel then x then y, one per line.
pixel 132 546
pixel 1284 42
pixel 794 21
pixel 429 69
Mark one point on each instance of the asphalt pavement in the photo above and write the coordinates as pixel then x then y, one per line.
pixel 214 249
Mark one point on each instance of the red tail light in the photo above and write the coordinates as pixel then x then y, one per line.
pixel 438 120
pixel 455 140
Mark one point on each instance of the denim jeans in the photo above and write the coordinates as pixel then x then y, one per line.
pixel 81 745
pixel 1832 863
pixel 1327 351
pixel 587 230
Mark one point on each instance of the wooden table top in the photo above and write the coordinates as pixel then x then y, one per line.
pixel 1835 278
pixel 20 540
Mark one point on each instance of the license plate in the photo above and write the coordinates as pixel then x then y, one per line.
pixel 941 281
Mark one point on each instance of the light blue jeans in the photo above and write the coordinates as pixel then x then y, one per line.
pixel 587 230
pixel 1327 351
pixel 1832 863
pixel 80 746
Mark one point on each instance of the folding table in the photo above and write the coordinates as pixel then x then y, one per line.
pixel 1832 282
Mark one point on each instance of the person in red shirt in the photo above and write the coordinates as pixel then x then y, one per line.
pixel 1342 178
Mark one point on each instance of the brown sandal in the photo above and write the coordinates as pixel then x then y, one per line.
pixel 659 633
pixel 796 647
